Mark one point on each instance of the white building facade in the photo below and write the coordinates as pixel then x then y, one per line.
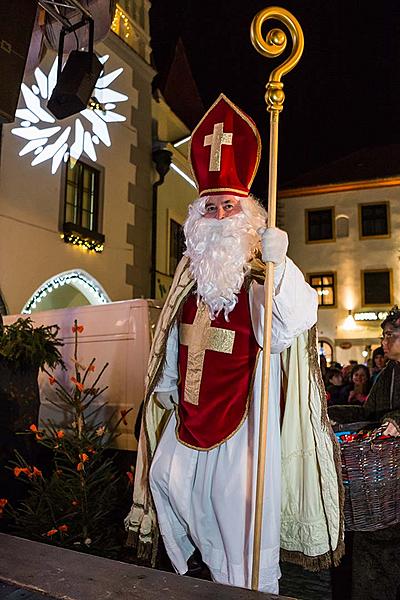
pixel 76 194
pixel 344 238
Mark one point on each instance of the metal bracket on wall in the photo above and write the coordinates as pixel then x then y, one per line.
pixel 55 9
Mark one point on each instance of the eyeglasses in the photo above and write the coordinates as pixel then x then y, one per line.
pixel 389 335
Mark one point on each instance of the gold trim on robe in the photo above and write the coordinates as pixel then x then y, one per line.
pixel 316 448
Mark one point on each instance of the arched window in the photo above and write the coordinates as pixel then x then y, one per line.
pixel 326 349
pixel 70 288
pixel 342 226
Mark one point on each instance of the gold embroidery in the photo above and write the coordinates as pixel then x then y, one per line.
pixel 228 437
pixel 216 140
pixel 200 337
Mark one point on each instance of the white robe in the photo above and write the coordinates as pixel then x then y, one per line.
pixel 206 498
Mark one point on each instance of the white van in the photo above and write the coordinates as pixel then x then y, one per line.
pixel 118 333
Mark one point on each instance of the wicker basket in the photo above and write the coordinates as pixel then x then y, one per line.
pixel 371 478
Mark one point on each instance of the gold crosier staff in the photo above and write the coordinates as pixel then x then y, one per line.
pixel 273 45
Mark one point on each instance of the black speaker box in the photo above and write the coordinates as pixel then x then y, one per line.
pixel 16 25
pixel 75 84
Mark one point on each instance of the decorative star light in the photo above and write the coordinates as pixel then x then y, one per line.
pixel 57 143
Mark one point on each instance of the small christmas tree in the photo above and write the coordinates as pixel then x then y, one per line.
pixel 76 502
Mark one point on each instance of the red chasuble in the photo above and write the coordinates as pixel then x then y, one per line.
pixel 217 361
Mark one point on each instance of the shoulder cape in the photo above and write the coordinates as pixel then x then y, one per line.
pixel 312 491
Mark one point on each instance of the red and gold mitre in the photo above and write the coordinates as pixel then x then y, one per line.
pixel 225 150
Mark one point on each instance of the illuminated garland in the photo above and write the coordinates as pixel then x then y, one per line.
pixel 76 240
pixel 60 280
pixel 119 16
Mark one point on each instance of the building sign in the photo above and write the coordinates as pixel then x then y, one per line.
pixel 370 316
pixel 48 139
pixel 345 345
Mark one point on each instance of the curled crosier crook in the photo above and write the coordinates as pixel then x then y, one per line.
pixel 275 42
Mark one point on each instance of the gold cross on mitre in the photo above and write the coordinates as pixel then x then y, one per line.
pixel 200 337
pixel 216 140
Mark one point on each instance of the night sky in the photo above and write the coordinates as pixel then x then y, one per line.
pixel 342 96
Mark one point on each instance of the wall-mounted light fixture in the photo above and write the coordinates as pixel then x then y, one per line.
pixel 349 323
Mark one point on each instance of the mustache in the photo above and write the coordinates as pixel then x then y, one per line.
pixel 230 227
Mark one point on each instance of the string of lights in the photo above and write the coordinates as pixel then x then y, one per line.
pixel 82 242
pixel 77 278
pixel 120 16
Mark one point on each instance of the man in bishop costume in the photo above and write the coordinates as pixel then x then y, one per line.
pixel 198 449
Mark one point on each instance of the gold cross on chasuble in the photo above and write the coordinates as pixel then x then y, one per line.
pixel 200 337
pixel 216 140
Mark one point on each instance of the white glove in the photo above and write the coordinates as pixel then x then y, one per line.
pixel 168 399
pixel 274 243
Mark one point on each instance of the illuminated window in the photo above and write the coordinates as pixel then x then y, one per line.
pixel 319 225
pixel 324 284
pixel 376 287
pixel 176 244
pixel 374 220
pixel 81 208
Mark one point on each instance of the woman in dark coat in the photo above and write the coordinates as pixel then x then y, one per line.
pixel 376 554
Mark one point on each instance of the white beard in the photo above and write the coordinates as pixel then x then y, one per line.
pixel 219 252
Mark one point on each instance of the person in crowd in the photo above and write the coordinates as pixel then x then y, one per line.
pixel 346 373
pixel 356 392
pixel 336 365
pixel 375 561
pixel 334 386
pixel 378 363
